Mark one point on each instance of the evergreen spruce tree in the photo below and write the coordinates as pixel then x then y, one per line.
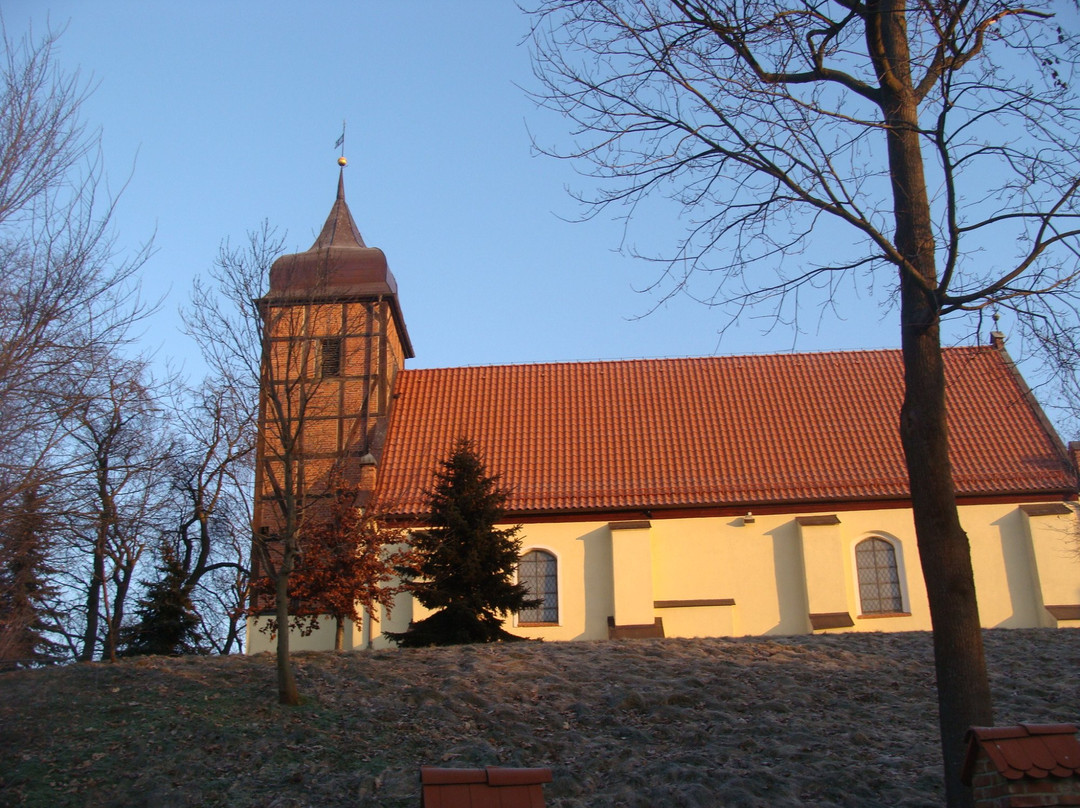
pixel 167 622
pixel 464 565
pixel 25 591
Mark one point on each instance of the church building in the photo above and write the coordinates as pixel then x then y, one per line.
pixel 714 496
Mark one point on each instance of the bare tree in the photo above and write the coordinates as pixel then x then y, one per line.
pixel 63 289
pixel 66 292
pixel 934 142
pixel 1053 332
pixel 116 490
pixel 211 479
pixel 267 351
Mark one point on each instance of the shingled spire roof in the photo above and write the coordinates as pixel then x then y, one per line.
pixel 338 265
pixel 340 229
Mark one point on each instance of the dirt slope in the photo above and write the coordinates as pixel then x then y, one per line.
pixel 844 720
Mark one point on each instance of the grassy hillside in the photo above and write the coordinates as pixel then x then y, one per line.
pixel 843 720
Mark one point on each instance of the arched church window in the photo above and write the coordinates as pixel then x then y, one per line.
pixel 879 576
pixel 538 571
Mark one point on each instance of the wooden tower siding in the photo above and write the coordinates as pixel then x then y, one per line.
pixel 335 343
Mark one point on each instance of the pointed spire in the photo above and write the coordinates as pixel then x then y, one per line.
pixel 338 266
pixel 338 263
pixel 340 229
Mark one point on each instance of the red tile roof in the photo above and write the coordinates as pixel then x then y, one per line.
pixel 483 788
pixel 1026 750
pixel 736 431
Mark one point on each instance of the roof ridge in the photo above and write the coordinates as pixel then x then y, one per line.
pixel 693 358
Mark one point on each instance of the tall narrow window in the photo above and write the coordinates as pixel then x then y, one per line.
pixel 539 572
pixel 330 357
pixel 879 577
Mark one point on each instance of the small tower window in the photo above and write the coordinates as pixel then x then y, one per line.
pixel 330 357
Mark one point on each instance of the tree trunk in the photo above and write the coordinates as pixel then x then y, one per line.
pixel 339 634
pixel 93 600
pixel 287 692
pixel 962 684
pixel 115 622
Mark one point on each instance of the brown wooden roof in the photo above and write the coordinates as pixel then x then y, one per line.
pixel 338 266
pixel 735 431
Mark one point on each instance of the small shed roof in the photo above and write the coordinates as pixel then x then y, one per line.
pixel 1025 750
pixel 490 787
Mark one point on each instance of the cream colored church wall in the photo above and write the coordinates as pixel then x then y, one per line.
pixel 763 567
pixel 897 527
pixel 319 640
pixel 1003 555
pixel 1055 557
pixel 776 570
pixel 1004 576
pixel 758 565
pixel 583 551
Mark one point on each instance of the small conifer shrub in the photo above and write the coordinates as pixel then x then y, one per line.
pixel 464 565
pixel 166 620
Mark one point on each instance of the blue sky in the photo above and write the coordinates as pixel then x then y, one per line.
pixel 220 115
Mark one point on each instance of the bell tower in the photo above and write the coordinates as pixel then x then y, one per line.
pixel 334 339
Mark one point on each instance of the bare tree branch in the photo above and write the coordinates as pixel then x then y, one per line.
pixel 770 124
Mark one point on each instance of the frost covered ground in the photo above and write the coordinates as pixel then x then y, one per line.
pixel 842 720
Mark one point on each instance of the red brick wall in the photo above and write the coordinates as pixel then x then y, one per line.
pixel 991 790
pixel 343 415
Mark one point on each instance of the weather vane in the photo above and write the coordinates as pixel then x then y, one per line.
pixel 340 143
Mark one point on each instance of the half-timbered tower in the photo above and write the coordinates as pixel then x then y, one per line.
pixel 334 340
